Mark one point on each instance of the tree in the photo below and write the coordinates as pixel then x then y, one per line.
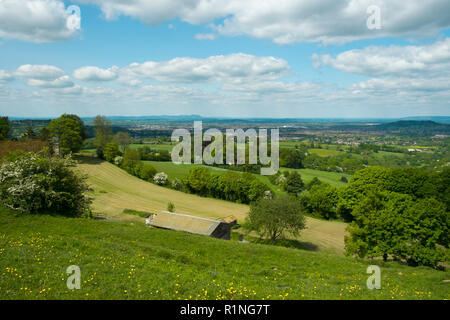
pixel 197 180
pixel 392 224
pixel 147 172
pixel 323 200
pixel 4 128
pixel 123 140
pixel 111 151
pixel 35 183
pixel 292 158
pixel 314 182
pixel 273 218
pixel 68 132
pixel 103 134
pixel 294 184
pixel 131 161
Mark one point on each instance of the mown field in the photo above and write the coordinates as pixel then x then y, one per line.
pixel 115 190
pixel 126 260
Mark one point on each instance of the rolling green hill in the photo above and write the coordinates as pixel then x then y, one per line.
pixel 125 260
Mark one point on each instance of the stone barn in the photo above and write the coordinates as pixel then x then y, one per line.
pixel 220 229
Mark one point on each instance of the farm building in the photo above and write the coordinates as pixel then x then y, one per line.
pixel 182 222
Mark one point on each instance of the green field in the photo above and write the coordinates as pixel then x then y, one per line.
pixel 325 152
pixel 162 146
pixel 126 260
pixel 181 171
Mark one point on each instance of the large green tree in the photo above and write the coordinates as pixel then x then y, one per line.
pixel 393 224
pixel 273 218
pixel 323 200
pixel 294 184
pixel 67 133
pixel 111 151
pixel 123 140
pixel 103 134
pixel 4 128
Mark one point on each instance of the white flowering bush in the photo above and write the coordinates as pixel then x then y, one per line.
pixel 118 160
pixel 34 183
pixel 161 178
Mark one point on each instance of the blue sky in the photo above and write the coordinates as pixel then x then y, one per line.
pixel 291 58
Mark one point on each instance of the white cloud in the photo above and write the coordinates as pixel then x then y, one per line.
pixel 39 72
pixel 234 67
pixel 37 20
pixel 390 86
pixel 290 21
pixel 392 61
pixel 61 82
pixel 5 76
pixel 205 36
pixel 92 73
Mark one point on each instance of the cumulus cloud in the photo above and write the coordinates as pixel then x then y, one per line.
pixel 234 67
pixel 61 82
pixel 44 76
pixel 290 21
pixel 39 72
pixel 92 73
pixel 388 86
pixel 38 20
pixel 392 61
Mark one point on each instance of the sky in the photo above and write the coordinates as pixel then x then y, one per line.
pixel 232 58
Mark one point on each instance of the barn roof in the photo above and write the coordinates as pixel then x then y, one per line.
pixel 184 222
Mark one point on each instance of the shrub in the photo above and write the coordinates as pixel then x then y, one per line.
pixel 118 160
pixel 161 179
pixel 29 145
pixel 147 172
pixel 197 180
pixel 314 182
pixel 177 184
pixel 35 184
pixel 294 183
pixel 170 207
pixel 111 151
pixel 131 162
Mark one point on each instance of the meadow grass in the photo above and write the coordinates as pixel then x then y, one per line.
pixel 126 260
pixel 325 152
pixel 160 146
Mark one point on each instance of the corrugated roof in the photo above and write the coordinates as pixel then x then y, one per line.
pixel 184 222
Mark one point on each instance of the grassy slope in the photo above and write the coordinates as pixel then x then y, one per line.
pixel 116 190
pixel 124 260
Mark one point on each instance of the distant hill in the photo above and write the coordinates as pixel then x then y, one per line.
pixel 402 127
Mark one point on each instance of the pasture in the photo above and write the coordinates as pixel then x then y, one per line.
pixel 127 260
